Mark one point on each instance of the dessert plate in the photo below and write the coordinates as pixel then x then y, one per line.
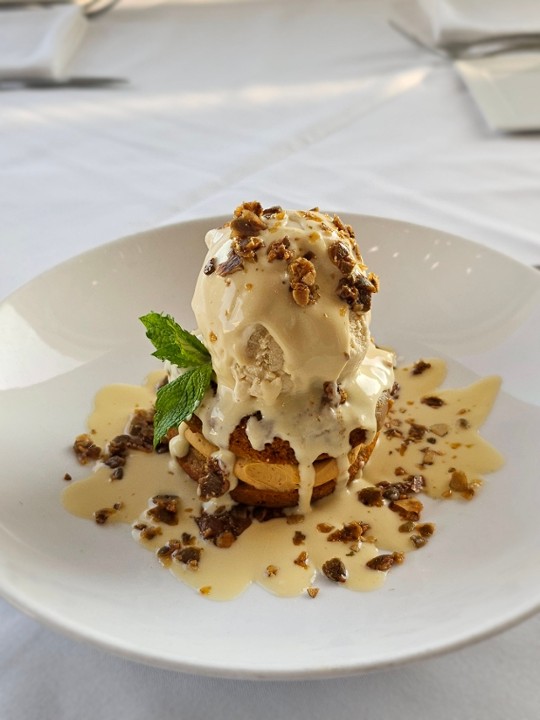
pixel 75 329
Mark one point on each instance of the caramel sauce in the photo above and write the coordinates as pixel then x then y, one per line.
pixel 438 440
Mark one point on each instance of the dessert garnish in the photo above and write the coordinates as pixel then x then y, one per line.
pixel 178 399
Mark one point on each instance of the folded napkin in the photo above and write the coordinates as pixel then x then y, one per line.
pixel 447 23
pixel 39 42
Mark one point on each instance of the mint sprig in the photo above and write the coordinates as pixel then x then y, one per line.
pixel 178 400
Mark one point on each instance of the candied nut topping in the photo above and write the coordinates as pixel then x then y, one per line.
pixel 190 556
pixel 420 367
pixel 280 250
pixel 247 248
pixel 340 254
pixel 165 509
pixel 325 527
pixel 401 490
pixel 101 516
pixel 302 276
pixel 335 570
pixel 408 509
pixel 274 210
pixel 383 563
pixel 247 221
pixel 371 496
pixel 85 449
pixel 232 264
pixel 345 229
pixel 439 429
pixel 433 401
pixel 149 532
pixel 334 394
pixel 210 266
pixel 215 483
pixel 224 526
pixel 459 481
pixel 350 532
pixel 356 291
pixel 302 560
pixel 426 529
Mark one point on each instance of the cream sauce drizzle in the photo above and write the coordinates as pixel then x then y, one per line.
pixel 264 547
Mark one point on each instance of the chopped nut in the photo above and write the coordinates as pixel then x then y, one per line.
pixel 224 526
pixel 247 223
pixel 301 560
pixel 418 541
pixel 117 473
pixel 433 401
pixel 350 532
pixel 416 431
pixel 407 527
pixel 312 591
pixel 230 265
pixel 210 267
pixel 371 496
pixel 420 367
pixel 426 529
pixel 383 563
pixel 101 516
pixel 459 481
pixel 274 210
pixel 188 556
pixel 205 590
pixel 340 254
pixel 150 532
pixel 356 291
pixel 463 423
pixel 280 250
pixel 295 519
pixel 298 538
pixel 334 394
pixel 325 527
pixel 408 509
pixel 271 570
pixel 67 477
pixel 335 570
pixel 439 429
pixel 246 248
pixel 302 276
pixel 85 449
pixel 215 483
pixel 165 509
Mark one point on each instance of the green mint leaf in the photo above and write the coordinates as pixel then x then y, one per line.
pixel 173 343
pixel 178 400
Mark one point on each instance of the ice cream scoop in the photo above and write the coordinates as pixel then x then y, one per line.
pixel 283 306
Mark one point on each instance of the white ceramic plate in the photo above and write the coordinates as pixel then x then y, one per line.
pixel 75 329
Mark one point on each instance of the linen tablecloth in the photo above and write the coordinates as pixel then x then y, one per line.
pixel 313 102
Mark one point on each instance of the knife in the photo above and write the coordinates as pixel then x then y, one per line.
pixel 73 82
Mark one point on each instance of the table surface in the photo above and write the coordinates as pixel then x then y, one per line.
pixel 313 102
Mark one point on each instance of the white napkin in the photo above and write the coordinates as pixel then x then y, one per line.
pixel 443 23
pixel 39 42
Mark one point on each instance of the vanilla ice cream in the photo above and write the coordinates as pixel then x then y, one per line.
pixel 283 306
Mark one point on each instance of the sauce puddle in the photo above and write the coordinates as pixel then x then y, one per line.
pixel 429 433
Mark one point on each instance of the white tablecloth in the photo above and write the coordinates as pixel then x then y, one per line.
pixel 313 102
